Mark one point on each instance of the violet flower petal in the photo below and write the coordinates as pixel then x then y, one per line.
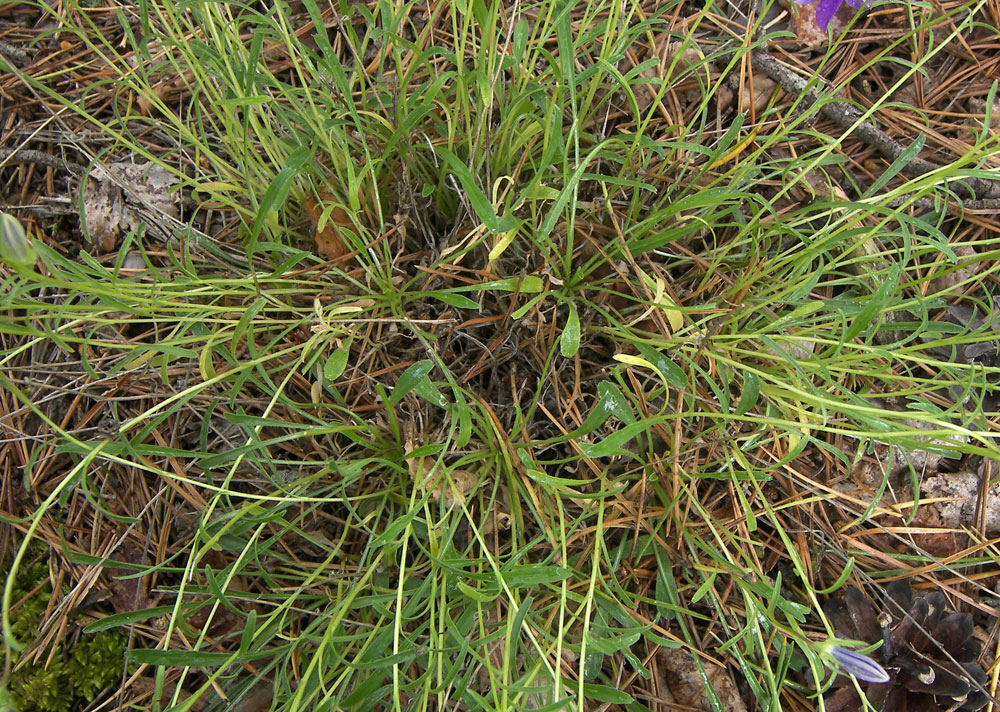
pixel 861 666
pixel 826 10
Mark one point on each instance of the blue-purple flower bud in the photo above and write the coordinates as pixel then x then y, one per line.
pixel 861 666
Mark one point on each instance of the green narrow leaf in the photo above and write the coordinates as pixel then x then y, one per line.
pixel 179 658
pixel 593 661
pixel 611 643
pixel 216 589
pixel 520 312
pixel 249 628
pixel 727 140
pixel 665 592
pixel 572 183
pixel 617 403
pixel 902 160
pixel 127 618
pixel 521 613
pixel 705 587
pixel 477 199
pixel 404 656
pixel 534 575
pixel 476 595
pixel 613 444
pixel 525 285
pixel 610 402
pixel 244 323
pixel 336 365
pixel 569 340
pixel 874 305
pixel 603 693
pixel 277 192
pixel 551 481
pixel 16 249
pixel 520 38
pixel 206 364
pixel 458 301
pixel 322 39
pixel 430 392
pixel 409 379
pixel 392 532
pixel 749 394
pixel 464 413
pixel 362 691
pixel 672 373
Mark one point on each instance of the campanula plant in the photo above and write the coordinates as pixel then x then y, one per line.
pixel 851 663
pixel 826 9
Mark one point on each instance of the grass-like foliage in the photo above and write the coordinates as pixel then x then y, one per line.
pixel 608 329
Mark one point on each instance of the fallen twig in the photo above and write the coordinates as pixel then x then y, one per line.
pixel 848 118
pixel 27 155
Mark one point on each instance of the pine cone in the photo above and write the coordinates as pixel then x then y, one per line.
pixel 931 658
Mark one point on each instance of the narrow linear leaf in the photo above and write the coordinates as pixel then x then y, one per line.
pixel 477 199
pixel 671 372
pixel 593 661
pixel 569 340
pixel 364 690
pixel 520 312
pixel 902 160
pixel 476 595
pixel 613 444
pixel 458 301
pixel 430 392
pixel 16 249
pixel 572 183
pixel 409 379
pixel 501 245
pixel 603 693
pixel 335 365
pixel 522 576
pixel 249 628
pixel 553 481
pixel 751 390
pixel 525 285
pixel 244 322
pixel 206 364
pixel 274 196
pixel 610 402
pixel 875 305
pixel 180 658
pixel 127 618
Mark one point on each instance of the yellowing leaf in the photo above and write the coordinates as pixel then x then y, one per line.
pixel 634 360
pixel 502 243
pixel 675 317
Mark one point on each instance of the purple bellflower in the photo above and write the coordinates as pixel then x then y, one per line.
pixel 826 9
pixel 851 663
